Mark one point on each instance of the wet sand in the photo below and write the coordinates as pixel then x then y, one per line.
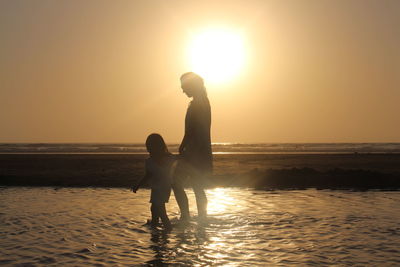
pixel 247 170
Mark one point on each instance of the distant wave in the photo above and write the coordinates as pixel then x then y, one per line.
pixel 217 148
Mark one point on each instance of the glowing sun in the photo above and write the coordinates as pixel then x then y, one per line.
pixel 218 55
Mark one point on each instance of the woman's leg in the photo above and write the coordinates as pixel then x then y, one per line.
pixel 201 197
pixel 198 183
pixel 179 191
pixel 164 217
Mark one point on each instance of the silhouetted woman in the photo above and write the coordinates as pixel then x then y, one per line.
pixel 195 148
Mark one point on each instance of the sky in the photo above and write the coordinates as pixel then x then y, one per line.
pixel 108 71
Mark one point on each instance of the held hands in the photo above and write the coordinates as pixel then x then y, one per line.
pixel 183 145
pixel 181 149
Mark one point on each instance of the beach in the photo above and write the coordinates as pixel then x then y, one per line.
pixel 77 209
pixel 230 169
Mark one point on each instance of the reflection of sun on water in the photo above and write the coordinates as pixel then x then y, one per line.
pixel 219 201
pixel 217 55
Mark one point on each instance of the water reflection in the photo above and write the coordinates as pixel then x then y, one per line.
pixel 159 246
pixel 246 227
pixel 187 245
pixel 219 201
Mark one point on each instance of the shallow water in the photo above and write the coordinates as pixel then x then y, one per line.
pixel 86 226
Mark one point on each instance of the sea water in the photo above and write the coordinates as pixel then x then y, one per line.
pixel 106 227
pixel 216 147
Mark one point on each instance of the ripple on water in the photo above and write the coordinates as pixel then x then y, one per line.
pixel 101 227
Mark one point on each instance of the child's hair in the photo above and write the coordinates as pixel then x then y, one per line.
pixel 156 146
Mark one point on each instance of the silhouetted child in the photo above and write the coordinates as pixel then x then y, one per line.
pixel 159 174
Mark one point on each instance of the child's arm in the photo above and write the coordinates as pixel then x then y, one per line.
pixel 140 183
pixel 144 178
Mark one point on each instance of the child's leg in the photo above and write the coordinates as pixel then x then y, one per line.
pixel 155 214
pixel 164 217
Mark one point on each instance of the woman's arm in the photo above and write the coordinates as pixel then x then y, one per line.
pixel 190 127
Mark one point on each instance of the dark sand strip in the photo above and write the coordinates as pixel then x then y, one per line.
pixel 269 171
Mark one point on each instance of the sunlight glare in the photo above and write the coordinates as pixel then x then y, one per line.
pixel 218 55
pixel 219 201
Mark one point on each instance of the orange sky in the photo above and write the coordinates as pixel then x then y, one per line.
pixel 108 71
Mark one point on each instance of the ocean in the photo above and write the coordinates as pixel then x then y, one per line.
pixel 256 148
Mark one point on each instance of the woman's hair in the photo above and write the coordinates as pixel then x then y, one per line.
pixel 195 82
pixel 156 146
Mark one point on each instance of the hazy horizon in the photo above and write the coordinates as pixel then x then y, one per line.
pixel 213 143
pixel 108 72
